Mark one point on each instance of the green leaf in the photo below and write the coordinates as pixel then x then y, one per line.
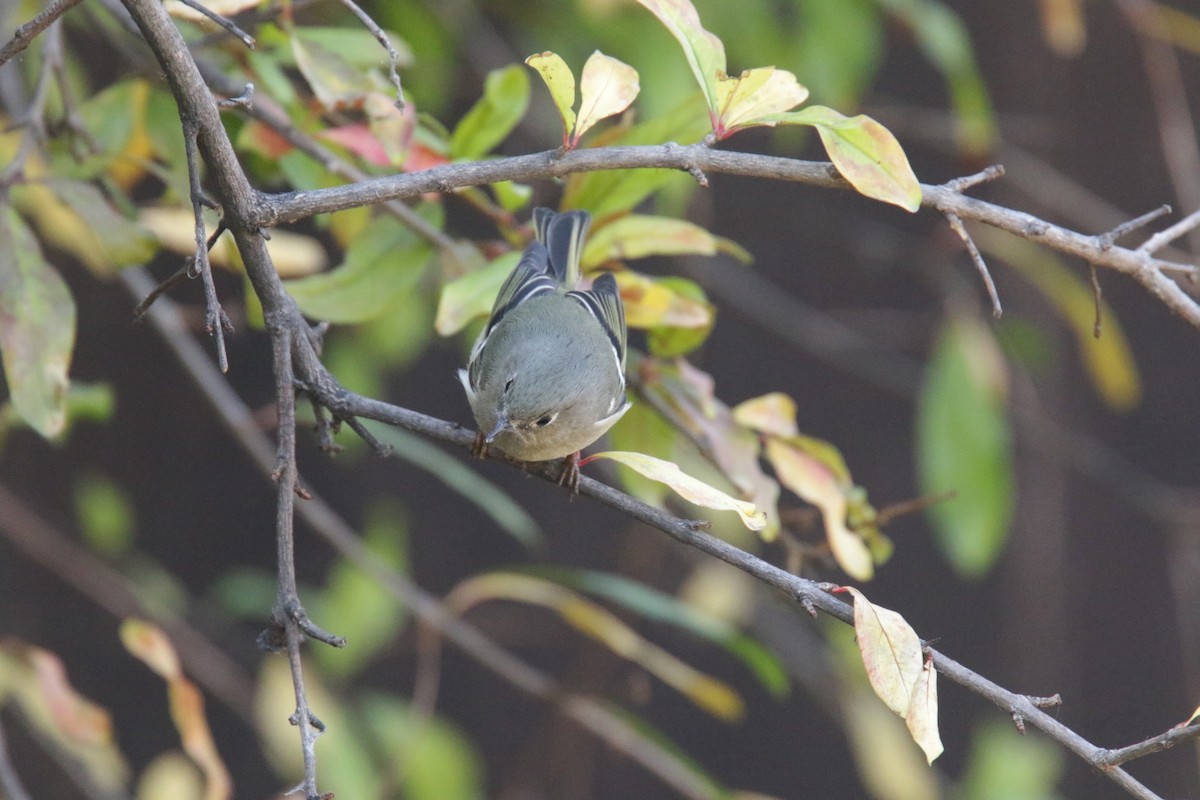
pixel 492 118
pixel 865 152
pixel 105 514
pixel 704 51
pixel 964 446
pixel 357 46
pixel 561 82
pixel 640 235
pixel 1002 766
pixel 383 263
pixel 428 758
pixel 37 328
pixel 472 295
pixel 368 615
pixel 672 341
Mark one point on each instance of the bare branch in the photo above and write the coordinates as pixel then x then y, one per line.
pixel 1168 235
pixel 957 226
pixel 215 320
pixel 1108 239
pixel 28 32
pixel 223 21
pixel 1155 744
pixel 992 173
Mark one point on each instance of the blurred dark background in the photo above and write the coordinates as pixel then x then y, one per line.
pixel 1094 596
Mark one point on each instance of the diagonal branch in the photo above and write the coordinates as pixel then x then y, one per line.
pixel 29 31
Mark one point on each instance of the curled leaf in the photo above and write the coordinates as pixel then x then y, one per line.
pixel 865 153
pixel 561 82
pixel 606 87
pixel 773 414
pixel 922 717
pixel 891 652
pixel 149 644
pixel 686 486
pixel 750 98
pixel 815 482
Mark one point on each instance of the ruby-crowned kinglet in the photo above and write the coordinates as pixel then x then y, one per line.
pixel 547 375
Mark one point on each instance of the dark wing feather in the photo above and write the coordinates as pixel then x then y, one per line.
pixel 563 235
pixel 603 300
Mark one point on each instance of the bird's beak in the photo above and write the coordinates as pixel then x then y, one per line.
pixel 500 426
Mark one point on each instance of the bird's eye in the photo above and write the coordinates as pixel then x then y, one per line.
pixel 508 385
pixel 544 421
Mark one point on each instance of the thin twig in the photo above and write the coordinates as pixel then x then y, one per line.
pixel 385 42
pixel 223 21
pixel 965 182
pixel 1168 235
pixel 185 273
pixel 1164 741
pixel 1097 301
pixel 215 321
pixel 1107 240
pixel 26 33
pixel 957 226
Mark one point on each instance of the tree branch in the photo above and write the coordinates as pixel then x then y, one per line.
pixel 274 209
pixel 29 31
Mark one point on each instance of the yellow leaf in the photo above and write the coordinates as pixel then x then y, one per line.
pixel 1063 26
pixel 891 652
pixel 773 414
pixel 864 152
pixel 149 644
pixel 686 486
pixel 606 87
pixel 593 620
pixel 815 482
pixel 640 235
pixel 922 717
pixel 650 304
pixel 755 94
pixel 293 254
pixel 561 82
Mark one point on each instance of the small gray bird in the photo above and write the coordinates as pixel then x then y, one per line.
pixel 547 375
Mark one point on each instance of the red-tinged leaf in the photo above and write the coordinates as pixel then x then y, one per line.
pixel 606 87
pixel 922 717
pixel 421 157
pixel 814 482
pixel 891 652
pixel 392 128
pixel 754 95
pixel 865 152
pixel 150 645
pixel 705 53
pixel 651 303
pixel 37 328
pixel 359 140
pixel 687 487
pixel 256 137
pixel 561 82
pixel 773 414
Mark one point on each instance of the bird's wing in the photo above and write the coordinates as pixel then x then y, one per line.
pixel 603 300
